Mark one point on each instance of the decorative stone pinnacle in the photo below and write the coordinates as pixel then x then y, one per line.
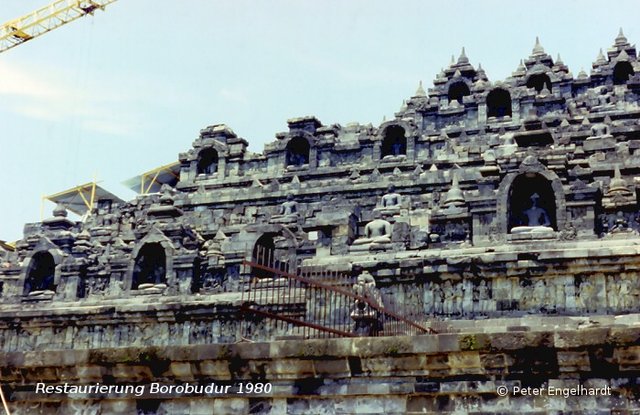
pixel 463 57
pixel 520 70
pixel 454 196
pixel 420 91
pixel 582 74
pixel 616 173
pixel 621 39
pixel 60 211
pixel 617 184
pixel 538 49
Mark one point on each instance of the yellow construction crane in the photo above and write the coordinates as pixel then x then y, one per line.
pixel 41 21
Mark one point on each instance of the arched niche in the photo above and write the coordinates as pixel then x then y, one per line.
pixel 511 198
pixel 297 151
pixel 150 266
pixel 622 72
pixel 394 142
pixel 499 103
pixel 207 161
pixel 270 245
pixel 264 254
pixel 457 91
pixel 539 82
pixel 531 202
pixel 41 273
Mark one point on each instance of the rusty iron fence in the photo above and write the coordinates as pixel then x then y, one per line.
pixel 313 302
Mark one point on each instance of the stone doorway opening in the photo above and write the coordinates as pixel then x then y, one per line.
pixel 41 273
pixel 208 161
pixel 394 142
pixel 298 152
pixel 150 266
pixel 457 91
pixel 499 103
pixel 539 82
pixel 622 72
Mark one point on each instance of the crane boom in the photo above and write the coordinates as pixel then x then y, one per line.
pixel 41 21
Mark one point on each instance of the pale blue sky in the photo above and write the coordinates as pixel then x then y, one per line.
pixel 127 90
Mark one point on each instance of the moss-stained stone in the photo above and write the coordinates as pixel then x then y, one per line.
pixel 628 358
pixel 437 361
pixel 230 406
pixel 473 342
pixel 251 350
pixel 119 406
pixel 89 373
pixel 131 372
pixel 623 335
pixel 44 374
pixel 496 362
pixel 574 361
pixel 182 370
pixel 588 336
pixel 332 367
pixel 416 381
pixel 464 363
pixel 289 369
pixel 386 366
pixel 519 340
pixel 427 343
pixel 215 369
pixel 448 343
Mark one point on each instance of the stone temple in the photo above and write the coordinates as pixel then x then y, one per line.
pixel 502 214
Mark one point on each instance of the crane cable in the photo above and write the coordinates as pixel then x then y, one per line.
pixel 4 402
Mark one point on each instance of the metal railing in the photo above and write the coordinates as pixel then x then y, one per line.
pixel 313 302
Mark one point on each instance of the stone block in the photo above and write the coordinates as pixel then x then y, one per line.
pixel 289 369
pixel 496 361
pixel 573 361
pixel 627 357
pixel 118 406
pixel 332 367
pixel 401 365
pixel 131 373
pixel 519 340
pixel 90 373
pixel 427 343
pixel 448 343
pixel 578 338
pixel 624 335
pixel 181 370
pixel 465 363
pixel 436 362
pixel 231 406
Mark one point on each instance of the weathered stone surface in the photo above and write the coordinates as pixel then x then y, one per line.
pixel 502 215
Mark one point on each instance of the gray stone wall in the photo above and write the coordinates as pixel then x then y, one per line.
pixel 436 374
pixel 463 180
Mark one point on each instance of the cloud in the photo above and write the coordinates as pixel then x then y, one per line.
pixel 233 95
pixel 372 75
pixel 51 96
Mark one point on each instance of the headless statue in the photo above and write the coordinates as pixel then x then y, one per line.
pixel 377 228
pixel 536 216
pixel 290 207
pixel 391 199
